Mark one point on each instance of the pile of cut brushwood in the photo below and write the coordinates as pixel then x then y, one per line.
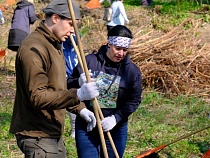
pixel 175 62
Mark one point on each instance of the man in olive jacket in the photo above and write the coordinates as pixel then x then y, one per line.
pixel 41 91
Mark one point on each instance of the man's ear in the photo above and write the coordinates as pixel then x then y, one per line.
pixel 55 18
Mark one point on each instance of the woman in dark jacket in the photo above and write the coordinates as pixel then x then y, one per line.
pixel 24 15
pixel 119 82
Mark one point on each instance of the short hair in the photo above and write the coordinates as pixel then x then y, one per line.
pixel 120 30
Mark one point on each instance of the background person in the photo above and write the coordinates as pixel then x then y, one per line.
pixel 119 16
pixel 41 95
pixel 1 17
pixel 71 62
pixel 146 2
pixel 24 15
pixel 119 81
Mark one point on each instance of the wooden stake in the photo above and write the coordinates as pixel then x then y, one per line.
pixel 77 52
pixel 99 110
pixel 95 108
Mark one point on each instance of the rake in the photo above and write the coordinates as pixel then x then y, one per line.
pixel 155 150
pixel 206 155
pixel 96 108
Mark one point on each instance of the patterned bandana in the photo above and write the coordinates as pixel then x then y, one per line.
pixel 119 41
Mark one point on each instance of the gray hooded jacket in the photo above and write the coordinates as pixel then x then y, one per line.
pixel 24 15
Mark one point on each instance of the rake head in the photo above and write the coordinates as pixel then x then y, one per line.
pixel 206 155
pixel 152 153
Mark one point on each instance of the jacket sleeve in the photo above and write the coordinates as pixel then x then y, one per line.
pixel 44 92
pixel 32 14
pixel 130 101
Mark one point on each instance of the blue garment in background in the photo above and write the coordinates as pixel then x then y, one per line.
pixel 70 55
pixel 1 14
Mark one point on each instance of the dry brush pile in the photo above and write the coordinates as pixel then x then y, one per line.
pixel 175 62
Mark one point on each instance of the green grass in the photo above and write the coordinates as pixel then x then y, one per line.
pixel 158 120
pixel 171 12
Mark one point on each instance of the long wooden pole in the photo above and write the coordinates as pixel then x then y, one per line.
pixel 95 108
pixel 99 110
pixel 108 134
pixel 77 52
pixel 149 152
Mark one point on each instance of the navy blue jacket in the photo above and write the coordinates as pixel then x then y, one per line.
pixel 130 89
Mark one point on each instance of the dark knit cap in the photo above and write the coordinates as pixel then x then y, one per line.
pixel 61 8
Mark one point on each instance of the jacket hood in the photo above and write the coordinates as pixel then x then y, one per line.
pixel 22 4
pixel 103 57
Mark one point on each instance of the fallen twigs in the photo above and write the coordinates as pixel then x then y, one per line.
pixel 175 62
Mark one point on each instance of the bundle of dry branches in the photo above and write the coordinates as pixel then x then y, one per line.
pixel 175 62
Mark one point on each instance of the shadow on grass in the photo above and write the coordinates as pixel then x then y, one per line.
pixel 166 3
pixel 6 71
pixel 139 3
pixel 203 146
pixel 5 118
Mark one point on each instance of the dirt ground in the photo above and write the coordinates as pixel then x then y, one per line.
pixel 140 21
pixel 205 33
pixel 140 18
pixel 8 13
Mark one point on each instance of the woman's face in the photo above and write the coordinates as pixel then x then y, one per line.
pixel 115 53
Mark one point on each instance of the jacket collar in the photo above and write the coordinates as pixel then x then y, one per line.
pixel 49 35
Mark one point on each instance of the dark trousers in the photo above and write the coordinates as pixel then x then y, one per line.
pixel 16 36
pixel 41 147
pixel 89 144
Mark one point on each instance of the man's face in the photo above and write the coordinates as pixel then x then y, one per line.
pixel 62 28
